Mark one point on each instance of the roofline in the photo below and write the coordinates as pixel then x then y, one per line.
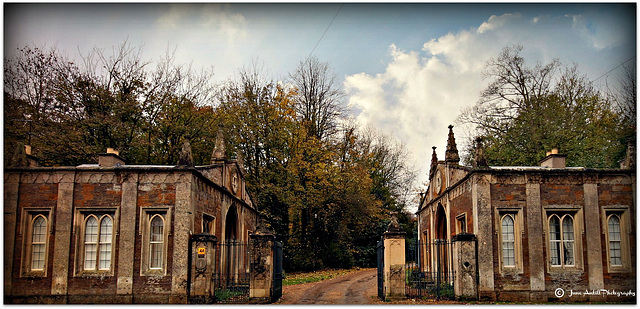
pixel 527 170
pixel 140 168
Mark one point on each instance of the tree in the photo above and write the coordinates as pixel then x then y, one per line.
pixel 525 112
pixel 75 112
pixel 318 104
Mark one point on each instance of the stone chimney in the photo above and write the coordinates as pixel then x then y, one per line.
pixel 554 160
pixel 110 159
pixel 451 155
pixel 33 161
pixel 219 149
pixel 22 157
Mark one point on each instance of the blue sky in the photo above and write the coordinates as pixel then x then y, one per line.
pixel 407 69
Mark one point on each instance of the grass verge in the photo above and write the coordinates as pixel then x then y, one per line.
pixel 315 276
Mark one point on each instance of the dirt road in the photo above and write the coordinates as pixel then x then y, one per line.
pixel 355 288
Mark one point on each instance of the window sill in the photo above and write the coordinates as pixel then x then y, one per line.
pixel 565 269
pixel 153 273
pixel 34 274
pixel 95 273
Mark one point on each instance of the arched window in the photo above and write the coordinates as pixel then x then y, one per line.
pixel 106 232
pixel 561 240
pixel 508 241
pixel 38 242
pixel 615 250
pixel 98 235
pixel 90 243
pixel 156 242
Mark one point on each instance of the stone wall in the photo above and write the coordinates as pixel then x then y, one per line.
pixel 124 193
pixel 533 195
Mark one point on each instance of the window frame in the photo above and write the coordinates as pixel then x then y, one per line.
pixel 518 230
pixel 578 229
pixel 622 213
pixel 147 214
pixel 82 215
pixel 29 215
pixel 461 223
pixel 209 228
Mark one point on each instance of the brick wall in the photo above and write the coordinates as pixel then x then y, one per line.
pixel 33 195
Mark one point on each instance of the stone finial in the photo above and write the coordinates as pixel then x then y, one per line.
pixel 219 150
pixel 394 225
pixel 19 157
pixel 629 161
pixel 262 229
pixel 451 155
pixel 479 160
pixel 434 162
pixel 185 157
pixel 240 160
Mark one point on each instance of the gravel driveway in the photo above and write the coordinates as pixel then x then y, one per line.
pixel 355 288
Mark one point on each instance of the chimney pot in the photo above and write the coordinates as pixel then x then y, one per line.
pixel 554 160
pixel 111 150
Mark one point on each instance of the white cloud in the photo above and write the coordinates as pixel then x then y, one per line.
pixel 196 20
pixel 421 92
pixel 229 24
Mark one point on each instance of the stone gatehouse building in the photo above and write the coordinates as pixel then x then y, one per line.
pixel 117 233
pixel 543 233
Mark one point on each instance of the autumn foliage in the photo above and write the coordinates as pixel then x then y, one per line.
pixel 324 186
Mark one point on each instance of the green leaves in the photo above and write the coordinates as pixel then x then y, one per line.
pixel 526 112
pixel 325 189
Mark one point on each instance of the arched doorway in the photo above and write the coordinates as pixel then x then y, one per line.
pixel 231 246
pixel 442 244
pixel 231 225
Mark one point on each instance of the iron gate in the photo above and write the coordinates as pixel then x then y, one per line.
pixel 277 272
pixel 380 259
pixel 231 279
pixel 430 270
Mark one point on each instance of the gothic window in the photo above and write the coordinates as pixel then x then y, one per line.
pixel 508 241
pixel 509 228
pixel 38 243
pixel 615 225
pixel 156 242
pixel 155 227
pixel 561 240
pixel 615 254
pixel 98 241
pixel 36 226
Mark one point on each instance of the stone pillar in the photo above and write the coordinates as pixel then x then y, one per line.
pixel 481 193
pixel 11 189
pixel 394 261
pixel 262 265
pixel 536 240
pixel 202 266
pixel 465 265
pixel 63 226
pixel 182 225
pixel 592 220
pixel 126 250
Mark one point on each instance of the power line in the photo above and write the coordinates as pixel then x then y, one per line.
pixel 601 76
pixel 325 32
